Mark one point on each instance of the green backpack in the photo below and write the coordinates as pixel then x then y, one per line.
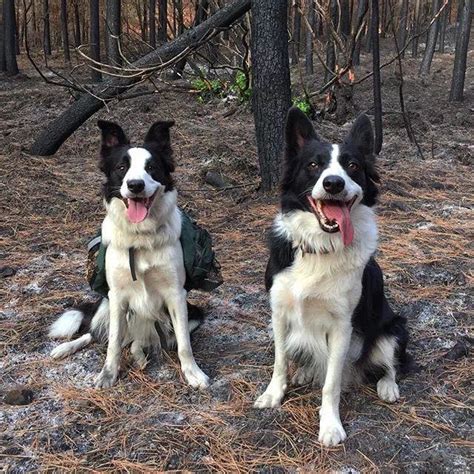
pixel 202 268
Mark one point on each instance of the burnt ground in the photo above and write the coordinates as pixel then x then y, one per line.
pixel 151 420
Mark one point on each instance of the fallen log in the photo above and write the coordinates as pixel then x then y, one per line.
pixel 54 135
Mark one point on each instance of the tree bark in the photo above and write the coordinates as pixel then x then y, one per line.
pixel 309 66
pixel 460 55
pixel 64 31
pixel 376 77
pixel 9 38
pixel 271 84
pixel 295 39
pixel 431 42
pixel 63 126
pixel 152 9
pixel 415 28
pixel 3 63
pixel 77 25
pixel 94 49
pixel 330 46
pixel 362 7
pixel 345 18
pixel 163 19
pixel 402 27
pixel 442 28
pixel 113 30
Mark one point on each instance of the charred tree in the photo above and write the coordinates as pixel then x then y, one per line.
pixel 271 84
pixel 53 136
pixel 295 38
pixel 113 30
pixel 3 63
pixel 330 45
pixel 345 17
pixel 46 29
pixel 374 33
pixel 309 67
pixel 163 19
pixel 431 42
pixel 442 27
pixel 77 25
pixel 362 7
pixel 9 37
pixel 64 31
pixel 152 10
pixel 460 56
pixel 415 28
pixel 94 48
pixel 402 27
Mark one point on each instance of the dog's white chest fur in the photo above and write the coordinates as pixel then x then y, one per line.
pixel 322 289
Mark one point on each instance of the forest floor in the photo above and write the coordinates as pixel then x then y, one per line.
pixel 151 420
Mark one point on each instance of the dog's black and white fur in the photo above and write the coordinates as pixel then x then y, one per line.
pixel 329 311
pixel 142 213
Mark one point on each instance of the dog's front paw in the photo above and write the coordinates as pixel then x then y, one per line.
pixel 196 377
pixel 106 378
pixel 331 431
pixel 271 398
pixel 387 390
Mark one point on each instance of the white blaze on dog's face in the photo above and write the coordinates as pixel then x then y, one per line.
pixel 136 175
pixel 328 180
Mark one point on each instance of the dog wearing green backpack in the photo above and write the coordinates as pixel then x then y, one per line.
pixel 145 259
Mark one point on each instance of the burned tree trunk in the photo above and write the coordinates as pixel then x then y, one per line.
pixel 94 50
pixel 460 56
pixel 46 29
pixel 271 84
pixel 295 39
pixel 77 25
pixel 163 19
pixel 361 12
pixel 376 77
pixel 63 126
pixel 330 46
pixel 113 23
pixel 442 28
pixel 3 63
pixel 9 37
pixel 414 30
pixel 431 42
pixel 64 31
pixel 402 27
pixel 152 9
pixel 309 67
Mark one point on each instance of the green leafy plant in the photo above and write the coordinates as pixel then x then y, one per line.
pixel 241 87
pixel 303 104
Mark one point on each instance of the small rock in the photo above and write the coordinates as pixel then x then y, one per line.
pixel 19 396
pixel 7 272
pixel 460 349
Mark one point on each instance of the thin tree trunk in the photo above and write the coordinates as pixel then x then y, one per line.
pixel 64 31
pixel 271 84
pixel 361 12
pixel 152 9
pixel 145 21
pixel 402 28
pixel 3 62
pixel 46 29
pixel 345 18
pixel 295 39
pixel 376 77
pixel 442 29
pixel 415 29
pixel 309 67
pixel 460 56
pixel 431 42
pixel 163 19
pixel 9 38
pixel 330 46
pixel 94 51
pixel 16 24
pixel 113 30
pixel 77 25
pixel 53 136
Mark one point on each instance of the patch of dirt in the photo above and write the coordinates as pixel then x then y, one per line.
pixel 151 420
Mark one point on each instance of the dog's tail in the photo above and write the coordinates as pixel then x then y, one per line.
pixel 89 320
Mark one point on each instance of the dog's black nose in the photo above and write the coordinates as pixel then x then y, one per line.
pixel 333 184
pixel 136 185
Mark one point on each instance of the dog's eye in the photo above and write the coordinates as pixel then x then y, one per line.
pixel 313 165
pixel 121 168
pixel 149 167
pixel 353 166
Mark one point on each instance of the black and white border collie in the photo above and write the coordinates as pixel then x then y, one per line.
pixel 329 312
pixel 142 214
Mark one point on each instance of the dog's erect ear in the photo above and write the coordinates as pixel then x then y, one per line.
pixel 160 133
pixel 299 130
pixel 112 136
pixel 158 137
pixel 361 135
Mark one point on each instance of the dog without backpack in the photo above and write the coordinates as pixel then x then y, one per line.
pixel 202 268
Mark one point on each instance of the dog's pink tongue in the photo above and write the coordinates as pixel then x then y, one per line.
pixel 136 211
pixel 339 212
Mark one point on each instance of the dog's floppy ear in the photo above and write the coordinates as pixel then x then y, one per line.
pixel 158 137
pixel 299 130
pixel 112 136
pixel 361 135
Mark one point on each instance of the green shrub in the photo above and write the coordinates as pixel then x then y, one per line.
pixel 303 104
